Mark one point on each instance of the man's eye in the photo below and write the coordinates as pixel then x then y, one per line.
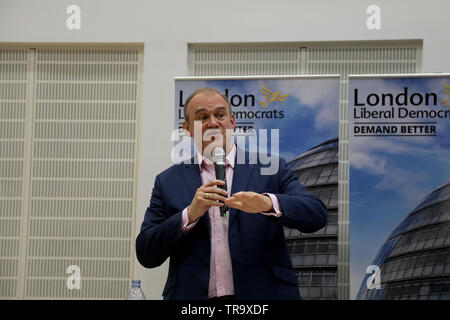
pixel 221 115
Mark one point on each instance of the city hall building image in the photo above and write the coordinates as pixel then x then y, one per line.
pixel 415 259
pixel 314 256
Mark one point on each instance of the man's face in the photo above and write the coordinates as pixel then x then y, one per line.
pixel 210 113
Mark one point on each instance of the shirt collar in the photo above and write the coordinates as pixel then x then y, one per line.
pixel 230 158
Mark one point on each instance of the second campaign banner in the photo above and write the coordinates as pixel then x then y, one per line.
pixel 399 186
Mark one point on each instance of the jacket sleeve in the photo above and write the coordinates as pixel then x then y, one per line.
pixel 160 232
pixel 301 210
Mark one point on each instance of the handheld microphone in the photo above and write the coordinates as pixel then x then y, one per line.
pixel 219 159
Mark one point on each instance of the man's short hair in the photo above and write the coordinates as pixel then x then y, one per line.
pixel 204 90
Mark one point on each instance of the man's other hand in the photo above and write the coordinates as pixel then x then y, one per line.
pixel 249 201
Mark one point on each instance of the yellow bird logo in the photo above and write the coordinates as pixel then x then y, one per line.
pixel 447 90
pixel 271 96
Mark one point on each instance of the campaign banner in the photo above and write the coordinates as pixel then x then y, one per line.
pixel 399 186
pixel 296 118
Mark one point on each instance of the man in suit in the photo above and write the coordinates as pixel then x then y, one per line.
pixel 242 255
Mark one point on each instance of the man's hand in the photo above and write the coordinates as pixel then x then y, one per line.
pixel 206 196
pixel 249 201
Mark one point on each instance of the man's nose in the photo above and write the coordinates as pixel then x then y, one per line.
pixel 213 122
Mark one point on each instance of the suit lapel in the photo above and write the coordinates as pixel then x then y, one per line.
pixel 192 178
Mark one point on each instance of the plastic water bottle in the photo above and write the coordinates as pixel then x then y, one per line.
pixel 135 292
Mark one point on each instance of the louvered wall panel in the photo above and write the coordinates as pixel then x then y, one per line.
pixel 83 172
pixel 13 110
pixel 239 60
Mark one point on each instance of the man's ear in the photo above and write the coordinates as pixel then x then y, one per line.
pixel 233 121
pixel 186 128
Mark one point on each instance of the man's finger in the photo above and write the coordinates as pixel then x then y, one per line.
pixel 234 204
pixel 214 183
pixel 244 195
pixel 216 191
pixel 211 195
pixel 212 203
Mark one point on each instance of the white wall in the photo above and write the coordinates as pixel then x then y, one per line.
pixel 165 27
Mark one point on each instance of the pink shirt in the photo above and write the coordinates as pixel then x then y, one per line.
pixel 221 272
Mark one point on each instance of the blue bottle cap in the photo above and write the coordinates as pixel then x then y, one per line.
pixel 136 283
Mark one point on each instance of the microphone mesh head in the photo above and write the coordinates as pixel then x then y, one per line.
pixel 219 155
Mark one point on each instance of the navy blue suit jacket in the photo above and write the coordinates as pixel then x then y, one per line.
pixel 261 264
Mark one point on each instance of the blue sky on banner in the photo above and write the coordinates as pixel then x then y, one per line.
pixel 311 111
pixel 389 176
